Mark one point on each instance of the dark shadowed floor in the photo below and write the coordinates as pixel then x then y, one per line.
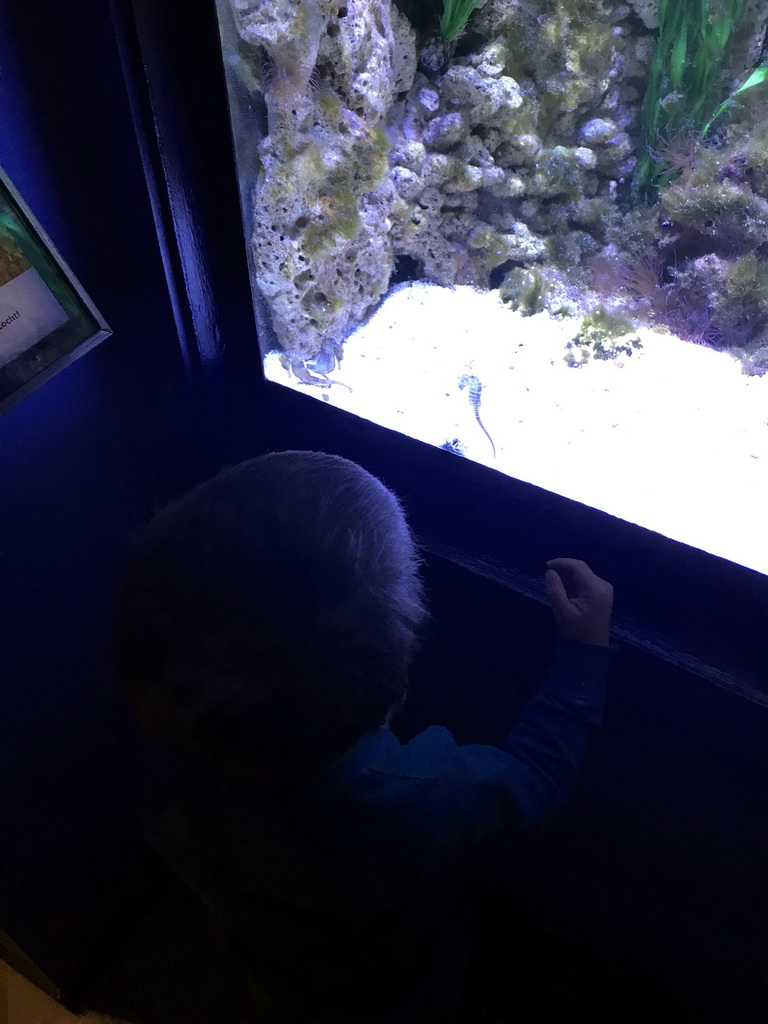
pixel 174 970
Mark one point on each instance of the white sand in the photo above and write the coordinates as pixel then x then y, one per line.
pixel 673 437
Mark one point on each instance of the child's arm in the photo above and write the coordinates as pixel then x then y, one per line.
pixel 549 742
pixel 525 779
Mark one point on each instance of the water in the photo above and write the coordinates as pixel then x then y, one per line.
pixel 536 237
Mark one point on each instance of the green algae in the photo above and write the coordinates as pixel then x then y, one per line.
pixel 340 190
pixel 603 335
pixel 524 289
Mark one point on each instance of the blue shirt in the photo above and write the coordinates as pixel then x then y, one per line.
pixel 359 891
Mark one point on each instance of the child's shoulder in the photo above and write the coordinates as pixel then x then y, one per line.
pixel 427 755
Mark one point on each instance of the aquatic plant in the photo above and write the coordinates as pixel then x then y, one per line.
pixel 720 205
pixel 455 16
pixel 758 76
pixel 686 77
pixel 704 274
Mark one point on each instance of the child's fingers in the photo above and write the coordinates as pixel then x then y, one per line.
pixel 556 595
pixel 574 568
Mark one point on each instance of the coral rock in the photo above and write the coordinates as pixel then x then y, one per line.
pixel 491 60
pixel 521 150
pixel 428 100
pixel 404 51
pixel 409 185
pixel 412 155
pixel 446 132
pixel 482 161
pixel 598 132
pixel 321 248
pixel 511 186
pixel 523 245
pixel 585 158
pixel 492 102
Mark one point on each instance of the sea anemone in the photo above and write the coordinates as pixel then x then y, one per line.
pixel 679 151
pixel 687 314
pixel 684 311
pixel 641 278
pixel 287 76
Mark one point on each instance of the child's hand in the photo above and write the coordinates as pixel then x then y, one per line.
pixel 580 601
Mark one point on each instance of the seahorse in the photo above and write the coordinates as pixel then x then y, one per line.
pixel 475 391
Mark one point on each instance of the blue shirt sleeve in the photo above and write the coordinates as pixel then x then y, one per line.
pixel 524 780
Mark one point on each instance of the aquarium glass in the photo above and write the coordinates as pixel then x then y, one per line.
pixel 45 317
pixel 533 233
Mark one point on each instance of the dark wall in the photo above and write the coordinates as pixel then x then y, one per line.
pixel 82 461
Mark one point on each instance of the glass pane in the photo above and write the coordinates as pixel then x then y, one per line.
pixel 534 234
pixel 45 318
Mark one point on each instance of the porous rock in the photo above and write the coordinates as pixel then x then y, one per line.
pixel 446 132
pixel 539 110
pixel 321 250
pixel 647 11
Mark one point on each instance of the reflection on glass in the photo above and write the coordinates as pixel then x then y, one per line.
pixel 45 318
pixel 12 260
pixel 534 234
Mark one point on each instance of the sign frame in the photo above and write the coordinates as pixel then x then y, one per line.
pixel 47 355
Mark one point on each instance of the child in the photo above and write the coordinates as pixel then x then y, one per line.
pixel 265 635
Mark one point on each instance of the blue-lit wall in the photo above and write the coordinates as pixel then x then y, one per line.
pixel 82 461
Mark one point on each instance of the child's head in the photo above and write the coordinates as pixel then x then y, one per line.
pixel 270 615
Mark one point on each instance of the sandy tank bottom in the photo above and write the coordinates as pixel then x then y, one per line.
pixel 673 437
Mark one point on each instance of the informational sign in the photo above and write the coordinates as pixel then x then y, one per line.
pixel 46 319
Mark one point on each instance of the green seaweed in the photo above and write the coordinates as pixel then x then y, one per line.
pixel 758 76
pixel 685 79
pixel 455 16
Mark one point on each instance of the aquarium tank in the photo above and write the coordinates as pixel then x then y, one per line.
pixel 533 233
